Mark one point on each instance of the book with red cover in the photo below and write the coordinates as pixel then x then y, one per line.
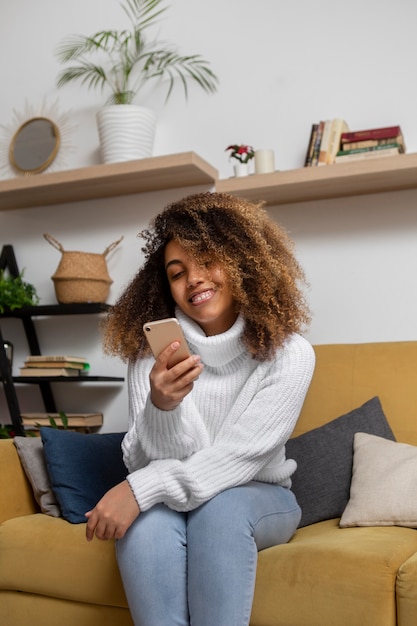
pixel 371 133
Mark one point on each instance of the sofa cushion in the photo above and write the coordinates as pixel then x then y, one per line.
pixel 384 485
pixel 44 555
pixel 30 450
pixel 328 576
pixel 324 457
pixel 82 467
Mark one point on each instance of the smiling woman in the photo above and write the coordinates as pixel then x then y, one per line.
pixel 201 290
pixel 208 483
pixel 255 254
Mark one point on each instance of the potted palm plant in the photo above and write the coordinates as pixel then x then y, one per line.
pixel 122 61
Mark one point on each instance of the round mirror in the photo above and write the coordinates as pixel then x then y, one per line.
pixel 34 145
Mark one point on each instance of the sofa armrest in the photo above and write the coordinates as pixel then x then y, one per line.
pixel 16 495
pixel 406 591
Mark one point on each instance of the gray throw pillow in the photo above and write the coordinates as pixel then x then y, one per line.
pixel 324 459
pixel 31 454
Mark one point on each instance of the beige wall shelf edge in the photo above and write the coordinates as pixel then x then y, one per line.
pixel 188 169
pixel 99 181
pixel 331 181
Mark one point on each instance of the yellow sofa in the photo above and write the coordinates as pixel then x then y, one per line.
pixel 325 576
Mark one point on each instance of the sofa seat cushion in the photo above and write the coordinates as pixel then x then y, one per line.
pixel 18 608
pixel 45 555
pixel 332 575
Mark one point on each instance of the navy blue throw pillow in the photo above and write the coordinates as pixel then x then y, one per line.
pixel 82 468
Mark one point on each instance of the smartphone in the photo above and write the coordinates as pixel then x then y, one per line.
pixel 161 333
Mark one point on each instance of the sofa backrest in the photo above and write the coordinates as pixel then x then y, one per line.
pixel 16 494
pixel 347 375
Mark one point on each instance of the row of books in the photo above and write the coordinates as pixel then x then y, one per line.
pixel 371 143
pixel 331 141
pixel 58 365
pixel 324 142
pixel 54 365
pixel 74 420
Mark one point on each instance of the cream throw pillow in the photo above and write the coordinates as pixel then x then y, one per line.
pixel 383 490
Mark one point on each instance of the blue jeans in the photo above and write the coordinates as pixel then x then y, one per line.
pixel 199 568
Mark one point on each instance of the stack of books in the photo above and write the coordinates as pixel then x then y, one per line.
pixel 54 365
pixel 74 420
pixel 371 143
pixel 324 142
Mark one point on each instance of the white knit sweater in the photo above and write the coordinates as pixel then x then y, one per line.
pixel 231 429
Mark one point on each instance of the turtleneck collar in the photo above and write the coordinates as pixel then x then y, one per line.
pixel 217 350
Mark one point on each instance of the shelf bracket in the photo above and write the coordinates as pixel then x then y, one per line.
pixel 8 261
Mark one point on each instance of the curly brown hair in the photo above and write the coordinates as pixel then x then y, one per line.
pixel 255 253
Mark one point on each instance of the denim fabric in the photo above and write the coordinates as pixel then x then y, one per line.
pixel 199 568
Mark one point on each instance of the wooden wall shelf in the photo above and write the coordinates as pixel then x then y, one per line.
pixel 103 181
pixel 188 169
pixel 331 181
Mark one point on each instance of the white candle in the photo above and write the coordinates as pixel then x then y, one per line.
pixel 264 161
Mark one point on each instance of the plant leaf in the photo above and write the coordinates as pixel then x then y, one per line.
pixel 126 60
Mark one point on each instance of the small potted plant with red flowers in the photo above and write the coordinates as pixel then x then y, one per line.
pixel 243 154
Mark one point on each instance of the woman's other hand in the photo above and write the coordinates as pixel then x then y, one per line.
pixel 113 514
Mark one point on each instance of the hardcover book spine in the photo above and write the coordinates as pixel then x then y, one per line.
pixel 339 126
pixel 372 149
pixel 372 133
pixel 317 143
pixel 310 149
pixel 366 154
pixel 324 144
pixel 48 371
pixel 371 143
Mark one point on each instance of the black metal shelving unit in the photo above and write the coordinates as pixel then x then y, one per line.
pixel 26 315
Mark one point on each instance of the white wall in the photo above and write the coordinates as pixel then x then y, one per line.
pixel 282 64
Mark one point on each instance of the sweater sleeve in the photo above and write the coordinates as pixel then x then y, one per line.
pixel 250 444
pixel 155 434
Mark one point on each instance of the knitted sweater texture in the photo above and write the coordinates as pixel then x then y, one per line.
pixel 231 429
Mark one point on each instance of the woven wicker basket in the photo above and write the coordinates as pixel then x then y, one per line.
pixel 81 276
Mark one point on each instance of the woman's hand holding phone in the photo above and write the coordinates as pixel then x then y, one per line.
pixel 170 385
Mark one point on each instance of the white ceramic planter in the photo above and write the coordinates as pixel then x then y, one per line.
pixel 241 169
pixel 126 132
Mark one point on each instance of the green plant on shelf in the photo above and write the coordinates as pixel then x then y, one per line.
pixel 124 60
pixel 241 153
pixel 52 421
pixel 8 431
pixel 15 293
